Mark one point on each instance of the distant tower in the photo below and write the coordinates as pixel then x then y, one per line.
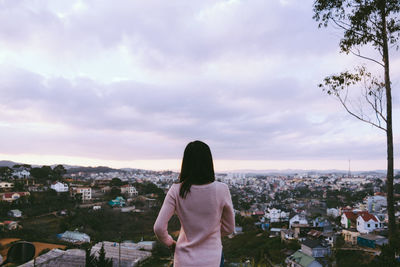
pixel 349 173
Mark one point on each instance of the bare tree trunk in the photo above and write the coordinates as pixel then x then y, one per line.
pixel 389 131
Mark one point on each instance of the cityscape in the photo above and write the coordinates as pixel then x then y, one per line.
pixel 297 218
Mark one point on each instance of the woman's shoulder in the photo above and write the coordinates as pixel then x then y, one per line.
pixel 221 185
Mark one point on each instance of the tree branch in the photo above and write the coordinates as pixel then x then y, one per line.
pixel 339 24
pixel 367 58
pixel 358 117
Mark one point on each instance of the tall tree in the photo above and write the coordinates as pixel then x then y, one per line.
pixel 102 261
pixel 58 172
pixel 374 24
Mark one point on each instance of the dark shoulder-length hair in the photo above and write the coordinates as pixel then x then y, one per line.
pixel 197 167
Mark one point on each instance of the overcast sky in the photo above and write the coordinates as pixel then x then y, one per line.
pixel 130 83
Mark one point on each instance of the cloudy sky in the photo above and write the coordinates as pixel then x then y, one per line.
pixel 130 83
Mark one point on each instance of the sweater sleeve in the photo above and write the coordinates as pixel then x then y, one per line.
pixel 166 212
pixel 228 216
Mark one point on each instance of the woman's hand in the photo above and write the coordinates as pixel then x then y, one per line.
pixel 172 247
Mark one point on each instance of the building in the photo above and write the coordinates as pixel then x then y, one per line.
pixel 59 258
pixel 9 225
pixel 130 190
pixel 300 259
pixel 21 173
pixel 12 196
pixel 348 219
pixel 298 219
pixel 59 187
pixel 6 185
pixel 315 248
pixel 332 212
pixel 350 236
pixel 74 237
pixel 117 202
pixel 372 241
pixel 376 203
pixel 14 213
pixel 367 222
pixel 146 245
pixel 123 254
pixel 276 215
pixel 84 192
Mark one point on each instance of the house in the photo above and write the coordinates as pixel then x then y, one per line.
pixel 298 219
pixel 6 185
pixel 74 237
pixel 9 225
pixel 21 173
pixel 117 202
pixel 84 192
pixel 330 238
pixel 123 254
pixel 367 222
pixel 12 196
pixel 146 245
pixel 348 219
pixel 276 215
pixel 350 236
pixel 320 222
pixel 314 233
pixel 332 212
pixel 14 213
pixel 376 203
pixel 129 190
pixel 315 248
pixel 58 257
pixel 371 241
pixel 300 259
pixel 288 234
pixel 59 187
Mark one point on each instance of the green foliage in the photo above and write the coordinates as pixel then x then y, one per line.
pixel 101 260
pixel 351 258
pixel 254 245
pixel 19 186
pixel 58 172
pixel 340 241
pixel 360 20
pixel 5 172
pixel 114 192
pixel 116 182
pixel 42 174
pixel 90 259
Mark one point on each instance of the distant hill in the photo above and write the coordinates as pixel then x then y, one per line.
pixel 7 163
pixel 91 169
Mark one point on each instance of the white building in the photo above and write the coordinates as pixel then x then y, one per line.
pixel 298 219
pixel 376 203
pixel 86 192
pixel 15 213
pixel 367 222
pixel 276 215
pixel 333 212
pixel 59 187
pixel 124 254
pixel 129 190
pixel 21 174
pixel 5 185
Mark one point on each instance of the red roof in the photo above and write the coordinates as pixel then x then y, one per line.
pixel 350 215
pixel 9 195
pixel 368 216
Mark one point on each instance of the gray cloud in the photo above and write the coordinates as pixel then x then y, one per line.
pixel 240 75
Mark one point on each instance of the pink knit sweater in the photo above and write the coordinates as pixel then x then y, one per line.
pixel 205 214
